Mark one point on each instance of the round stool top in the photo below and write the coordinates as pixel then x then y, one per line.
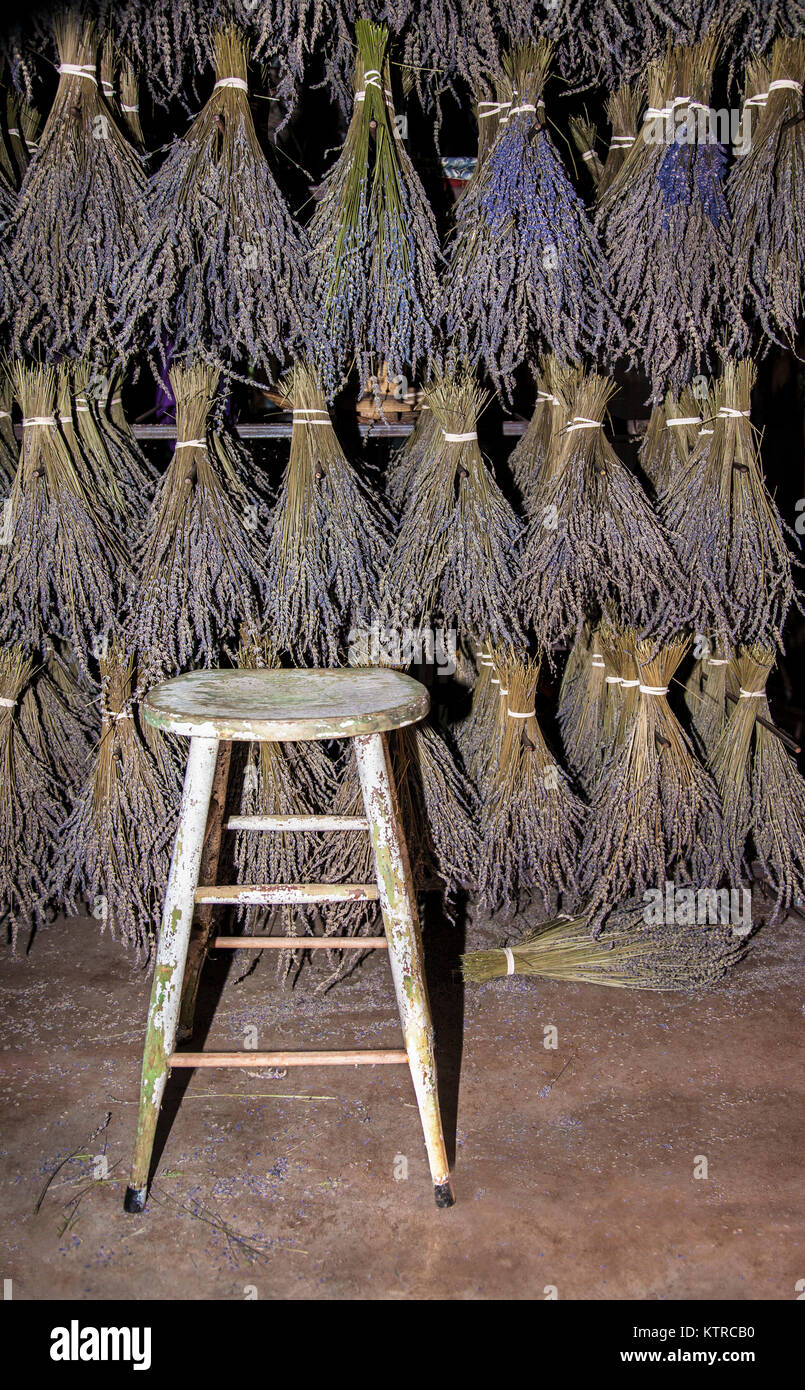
pixel 286 705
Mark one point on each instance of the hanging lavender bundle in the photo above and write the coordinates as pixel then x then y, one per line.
pixel 584 137
pixel 531 819
pixel 116 844
pixel 290 34
pixel 62 566
pixel 582 699
pixel 761 788
pixel 655 812
pixel 446 45
pixel 667 210
pixel 609 41
pixel 623 110
pixel 223 273
pixel 535 458
pixel 526 272
pixel 406 463
pixel 376 248
pixel 129 479
pixel 9 448
pixel 454 558
pixel 673 432
pixel 726 530
pixel 328 537
pixel 30 819
pixel 130 103
pixel 170 41
pixel 65 712
pixel 767 199
pixel 200 565
pixel 707 690
pixel 474 736
pixel 80 216
pixel 596 543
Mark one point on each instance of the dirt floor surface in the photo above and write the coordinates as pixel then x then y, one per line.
pixel 653 1153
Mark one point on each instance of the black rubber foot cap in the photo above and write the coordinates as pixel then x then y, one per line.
pixel 443 1194
pixel 134 1201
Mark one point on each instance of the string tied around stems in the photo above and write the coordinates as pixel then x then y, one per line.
pixel 460 438
pixel 683 420
pixel 32 420
pixel 239 83
pixel 787 84
pixel 191 444
pixel 750 694
pixel 580 422
pixel 728 412
pixel 5 703
pixel 509 954
pixel 86 70
pixel 653 689
pixel 520 713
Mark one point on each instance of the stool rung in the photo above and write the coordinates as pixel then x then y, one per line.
pixel 303 943
pixel 297 823
pixel 266 894
pixel 287 1059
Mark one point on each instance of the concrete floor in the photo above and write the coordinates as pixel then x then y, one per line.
pixel 574 1167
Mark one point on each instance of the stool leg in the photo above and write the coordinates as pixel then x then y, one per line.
pixel 204 915
pixel 398 901
pixel 177 919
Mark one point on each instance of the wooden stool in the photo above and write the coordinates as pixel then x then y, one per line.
pixel 215 707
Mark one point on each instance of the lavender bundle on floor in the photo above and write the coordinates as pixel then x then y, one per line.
pixel 200 565
pixel 327 537
pixel 596 544
pixel 223 273
pixel 531 818
pixel 80 215
pixel 666 227
pixel 455 556
pixel 376 248
pixel 725 528
pixel 767 198
pixel 526 273
pixel 116 844
pixel 62 568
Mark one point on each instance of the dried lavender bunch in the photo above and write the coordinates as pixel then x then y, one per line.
pixel 706 688
pixel 200 564
pixel 62 568
pixel 129 479
pixel 327 540
pixel 446 45
pixel 223 272
pixel 80 216
pixel 171 42
pixel 584 137
pixel 582 699
pixel 535 458
pixel 610 41
pixel 767 199
pixel 673 432
pixel 726 530
pixel 130 102
pixel 30 818
pixel 623 109
pixel 9 448
pixel 531 820
pixel 288 34
pixel 376 248
pixel 116 843
pixel 280 780
pixel 475 735
pixel 595 541
pixel 761 788
pixel 455 554
pixel 654 812
pixel 64 711
pixel 406 463
pixel 526 272
pixel 666 228
pixel 632 954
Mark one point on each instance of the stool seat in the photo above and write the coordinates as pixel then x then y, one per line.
pixel 286 705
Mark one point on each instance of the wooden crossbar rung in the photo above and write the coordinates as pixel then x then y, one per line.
pixel 278 893
pixel 302 943
pixel 287 1059
pixel 297 823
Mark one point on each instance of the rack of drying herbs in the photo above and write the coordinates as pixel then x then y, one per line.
pixel 223 225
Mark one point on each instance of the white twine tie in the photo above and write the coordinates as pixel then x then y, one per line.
pixel 653 689
pixel 239 83
pixel 509 954
pixel 191 444
pixel 77 70
pixel 460 438
pixel 750 694
pixel 5 703
pixel 683 420
pixel 581 423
